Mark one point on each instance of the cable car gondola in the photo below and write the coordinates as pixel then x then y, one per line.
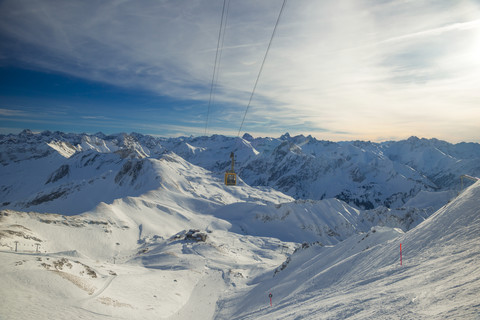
pixel 230 175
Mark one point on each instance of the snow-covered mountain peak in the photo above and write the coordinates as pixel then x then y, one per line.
pixel 285 136
pixel 248 137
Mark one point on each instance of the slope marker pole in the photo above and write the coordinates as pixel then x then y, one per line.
pixel 400 254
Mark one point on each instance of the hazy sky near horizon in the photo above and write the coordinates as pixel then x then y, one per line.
pixel 338 70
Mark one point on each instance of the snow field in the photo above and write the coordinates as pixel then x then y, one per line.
pixel 154 276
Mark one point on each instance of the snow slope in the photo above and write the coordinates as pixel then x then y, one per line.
pixel 129 260
pixel 325 221
pixel 361 277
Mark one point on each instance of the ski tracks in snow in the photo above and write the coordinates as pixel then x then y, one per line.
pixel 103 288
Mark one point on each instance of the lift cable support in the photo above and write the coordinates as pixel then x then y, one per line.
pixel 218 57
pixel 261 67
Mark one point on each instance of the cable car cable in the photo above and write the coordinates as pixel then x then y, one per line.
pixel 215 72
pixel 220 54
pixel 261 67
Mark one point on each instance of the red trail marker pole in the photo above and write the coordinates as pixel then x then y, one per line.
pixel 270 296
pixel 400 254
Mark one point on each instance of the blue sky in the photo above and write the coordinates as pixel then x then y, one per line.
pixel 338 70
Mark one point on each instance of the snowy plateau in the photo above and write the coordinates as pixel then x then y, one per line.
pixel 131 226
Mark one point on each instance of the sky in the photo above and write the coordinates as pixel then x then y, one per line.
pixel 338 70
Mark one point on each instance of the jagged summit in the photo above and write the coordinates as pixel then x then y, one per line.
pixel 248 137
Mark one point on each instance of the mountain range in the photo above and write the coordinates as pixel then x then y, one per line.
pixel 133 226
pixel 361 173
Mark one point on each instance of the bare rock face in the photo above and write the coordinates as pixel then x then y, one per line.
pixel 196 235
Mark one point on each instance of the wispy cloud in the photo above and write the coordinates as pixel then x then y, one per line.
pixel 459 26
pixel 12 113
pixel 95 117
pixel 342 69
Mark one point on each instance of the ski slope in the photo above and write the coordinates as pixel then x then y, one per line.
pixel 361 277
